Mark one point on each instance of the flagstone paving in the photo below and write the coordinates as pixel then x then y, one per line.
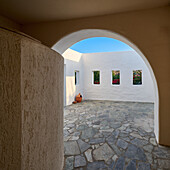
pixel 106 135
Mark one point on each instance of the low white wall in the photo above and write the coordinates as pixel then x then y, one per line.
pixel 125 61
pixel 73 61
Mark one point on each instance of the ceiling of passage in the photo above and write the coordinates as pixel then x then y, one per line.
pixel 31 11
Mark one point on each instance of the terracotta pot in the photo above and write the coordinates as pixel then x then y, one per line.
pixel 79 98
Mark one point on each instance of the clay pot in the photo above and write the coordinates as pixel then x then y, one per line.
pixel 79 98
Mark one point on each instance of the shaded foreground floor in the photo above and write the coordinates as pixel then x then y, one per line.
pixel 105 135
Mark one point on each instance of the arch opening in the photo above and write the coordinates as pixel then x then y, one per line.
pixel 62 45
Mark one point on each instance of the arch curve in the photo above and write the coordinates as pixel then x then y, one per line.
pixel 63 44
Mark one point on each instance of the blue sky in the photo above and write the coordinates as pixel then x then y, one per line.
pixel 100 44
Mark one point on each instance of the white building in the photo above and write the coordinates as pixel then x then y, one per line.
pixel 124 61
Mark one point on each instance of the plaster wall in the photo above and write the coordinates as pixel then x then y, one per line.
pixel 73 61
pixel 147 29
pixel 126 62
pixel 10 101
pixel 42 107
pixel 7 23
pixel 31 99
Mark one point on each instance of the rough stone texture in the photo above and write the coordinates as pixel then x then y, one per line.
pixel 115 148
pixel 136 135
pixel 148 148
pixel 143 166
pixel 164 163
pixel 120 163
pixel 111 139
pixel 122 144
pixel 89 155
pixel 131 165
pixel 127 150
pixel 79 161
pixel 97 140
pixel 96 166
pixel 139 142
pixel 83 145
pixel 71 148
pixel 31 79
pixel 104 152
pixel 153 141
pixel 134 152
pixel 69 163
pixel 116 133
pixel 114 158
pixel 161 153
pixel 88 133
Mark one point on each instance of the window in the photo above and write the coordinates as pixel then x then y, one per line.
pixel 115 77
pixel 137 77
pixel 96 77
pixel 76 77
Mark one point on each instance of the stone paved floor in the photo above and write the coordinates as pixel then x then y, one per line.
pixel 105 135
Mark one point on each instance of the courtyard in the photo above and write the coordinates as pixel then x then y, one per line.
pixel 109 135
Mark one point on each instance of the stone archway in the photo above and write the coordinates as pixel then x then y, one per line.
pixel 63 44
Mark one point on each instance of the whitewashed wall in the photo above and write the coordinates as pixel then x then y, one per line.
pixel 126 62
pixel 73 61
